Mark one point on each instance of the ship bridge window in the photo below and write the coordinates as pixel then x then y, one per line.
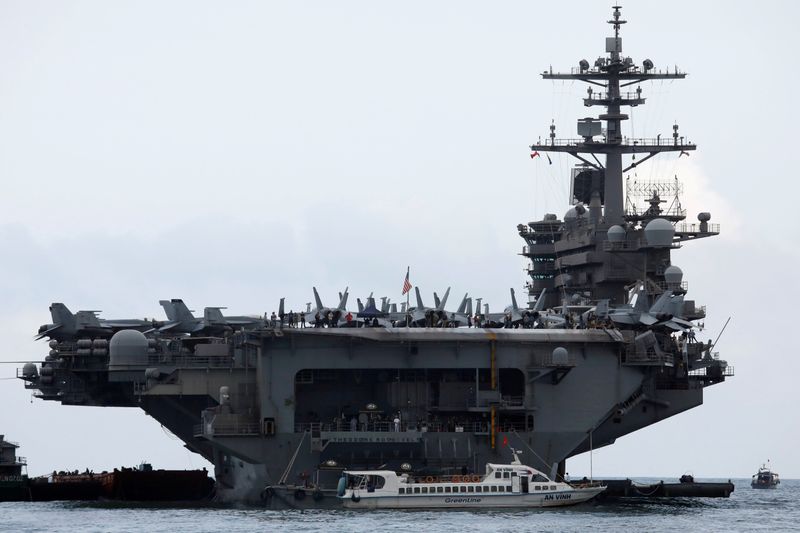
pixel 463 489
pixel 448 489
pixel 506 475
pixel 497 475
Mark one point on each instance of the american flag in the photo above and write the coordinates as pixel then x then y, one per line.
pixel 406 283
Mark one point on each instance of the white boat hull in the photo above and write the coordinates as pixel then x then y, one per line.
pixel 363 500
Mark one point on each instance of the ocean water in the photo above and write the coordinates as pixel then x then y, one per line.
pixel 746 510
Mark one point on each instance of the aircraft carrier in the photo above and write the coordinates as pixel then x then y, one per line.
pixel 606 345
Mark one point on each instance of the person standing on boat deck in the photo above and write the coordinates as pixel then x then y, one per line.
pixel 397 422
pixel 353 424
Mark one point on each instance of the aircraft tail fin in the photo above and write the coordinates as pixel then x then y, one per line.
pixel 441 305
pixel 87 319
pixel 641 301
pixel 393 308
pixel 360 305
pixel 169 310
pixel 419 298
pixel 317 299
pixel 281 307
pixel 436 301
pixel 213 314
pixel 662 304
pixel 462 307
pixel 469 307
pixel 343 299
pixel 62 316
pixel 539 305
pixel 182 313
pixel 514 305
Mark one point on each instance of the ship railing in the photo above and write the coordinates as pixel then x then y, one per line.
pixel 695 228
pixel 638 357
pixel 547 360
pixel 627 141
pixel 22 460
pixel 389 427
pixel 211 429
pixel 627 95
pixel 664 286
pixel 713 371
pixel 190 361
pixel 622 246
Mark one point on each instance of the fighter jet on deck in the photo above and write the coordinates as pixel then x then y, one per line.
pixel 68 325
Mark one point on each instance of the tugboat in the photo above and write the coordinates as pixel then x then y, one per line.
pixel 503 485
pixel 765 478
pixel 13 483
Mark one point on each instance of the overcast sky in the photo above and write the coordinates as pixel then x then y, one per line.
pixel 236 153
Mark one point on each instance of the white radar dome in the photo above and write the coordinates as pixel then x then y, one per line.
pixel 616 234
pixel 673 275
pixel 659 232
pixel 127 347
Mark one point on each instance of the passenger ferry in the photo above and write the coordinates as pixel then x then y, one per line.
pixel 503 485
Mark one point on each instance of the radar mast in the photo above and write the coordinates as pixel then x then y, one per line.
pixel 612 73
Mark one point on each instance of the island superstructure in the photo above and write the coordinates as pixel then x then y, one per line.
pixel 607 346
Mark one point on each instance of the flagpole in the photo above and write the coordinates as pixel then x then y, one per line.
pixel 408 293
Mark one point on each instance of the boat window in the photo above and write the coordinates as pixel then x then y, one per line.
pixel 539 478
pixel 478 489
pixel 463 489
pixel 376 482
pixel 537 487
pixel 439 489
pixel 470 489
pixel 402 490
pixel 497 475
pixel 505 475
pixel 552 487
pixel 448 489
pixel 424 490
pixel 494 488
pixel 416 490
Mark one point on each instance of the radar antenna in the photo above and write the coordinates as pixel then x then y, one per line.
pixel 612 73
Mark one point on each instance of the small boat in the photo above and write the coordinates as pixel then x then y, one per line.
pixel 765 478
pixel 503 485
